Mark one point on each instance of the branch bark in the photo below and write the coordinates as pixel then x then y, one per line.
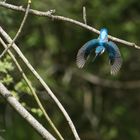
pixel 24 113
pixel 20 28
pixel 46 87
pixel 32 90
pixel 62 18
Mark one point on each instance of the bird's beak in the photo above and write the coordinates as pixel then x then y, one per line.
pixel 97 54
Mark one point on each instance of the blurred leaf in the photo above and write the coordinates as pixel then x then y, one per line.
pixel 37 111
pixel 22 87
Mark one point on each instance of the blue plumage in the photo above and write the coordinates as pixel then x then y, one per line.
pixel 100 45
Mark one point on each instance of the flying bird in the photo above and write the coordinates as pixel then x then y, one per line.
pixel 100 45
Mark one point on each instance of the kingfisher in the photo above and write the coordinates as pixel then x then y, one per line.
pixel 100 45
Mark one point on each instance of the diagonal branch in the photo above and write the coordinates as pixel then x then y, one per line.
pixel 62 18
pixel 24 113
pixel 19 30
pixel 32 90
pixel 15 47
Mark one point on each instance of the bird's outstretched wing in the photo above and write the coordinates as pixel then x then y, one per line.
pixel 84 52
pixel 114 57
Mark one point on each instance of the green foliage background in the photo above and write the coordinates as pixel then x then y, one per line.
pixel 99 113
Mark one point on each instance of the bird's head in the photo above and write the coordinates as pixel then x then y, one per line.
pixel 103 35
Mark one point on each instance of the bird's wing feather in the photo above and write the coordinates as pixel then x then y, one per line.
pixel 84 52
pixel 114 57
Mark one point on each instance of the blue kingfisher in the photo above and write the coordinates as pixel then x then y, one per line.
pixel 100 45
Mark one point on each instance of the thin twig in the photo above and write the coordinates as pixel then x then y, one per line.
pixel 84 15
pixel 31 11
pixel 19 30
pixel 32 90
pixel 15 47
pixel 49 14
pixel 25 114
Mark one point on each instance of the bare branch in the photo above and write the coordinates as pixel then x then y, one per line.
pixel 49 14
pixel 84 15
pixel 24 113
pixel 31 11
pixel 15 47
pixel 19 30
pixel 32 90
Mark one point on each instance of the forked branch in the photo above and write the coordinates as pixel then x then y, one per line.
pixel 62 18
pixel 19 30
pixel 46 87
pixel 32 90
